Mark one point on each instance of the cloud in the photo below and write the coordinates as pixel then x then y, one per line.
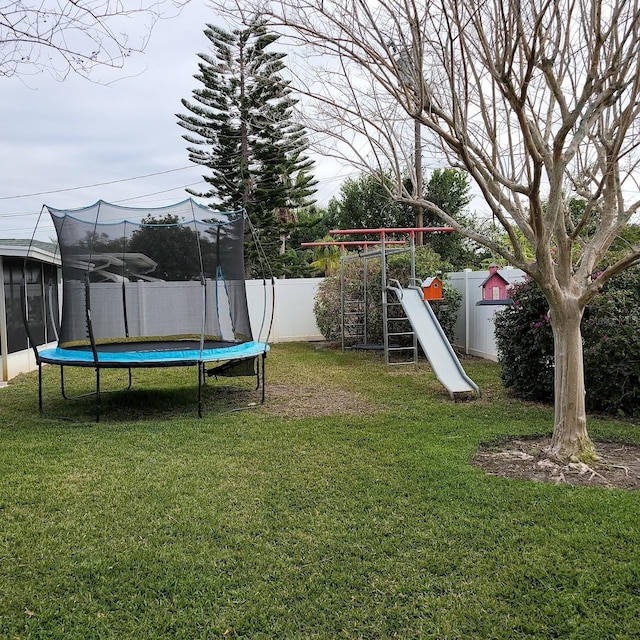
pixel 57 136
pixel 61 135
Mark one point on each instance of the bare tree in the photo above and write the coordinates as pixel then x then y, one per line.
pixel 537 100
pixel 66 36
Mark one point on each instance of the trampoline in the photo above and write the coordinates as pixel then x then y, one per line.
pixel 161 287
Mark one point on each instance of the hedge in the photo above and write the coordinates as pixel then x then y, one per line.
pixel 611 344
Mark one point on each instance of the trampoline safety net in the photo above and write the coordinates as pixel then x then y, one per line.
pixel 142 275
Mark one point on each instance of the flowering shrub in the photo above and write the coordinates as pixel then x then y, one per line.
pixel 611 344
pixel 327 306
pixel 525 343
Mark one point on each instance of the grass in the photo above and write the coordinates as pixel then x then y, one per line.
pixel 153 523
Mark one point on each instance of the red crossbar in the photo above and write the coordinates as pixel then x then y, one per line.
pixel 383 232
pixel 339 243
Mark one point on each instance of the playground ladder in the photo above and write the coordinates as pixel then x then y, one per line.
pixel 353 322
pixel 396 327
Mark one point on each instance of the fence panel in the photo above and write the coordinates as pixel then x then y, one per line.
pixel 293 317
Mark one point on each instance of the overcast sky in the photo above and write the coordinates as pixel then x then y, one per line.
pixel 58 136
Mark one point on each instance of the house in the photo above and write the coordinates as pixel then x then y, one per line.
pixel 33 267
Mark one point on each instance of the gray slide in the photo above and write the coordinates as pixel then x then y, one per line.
pixel 434 342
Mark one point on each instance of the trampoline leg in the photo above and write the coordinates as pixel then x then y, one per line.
pixel 40 387
pixel 200 376
pixel 264 358
pixel 97 394
pixel 62 389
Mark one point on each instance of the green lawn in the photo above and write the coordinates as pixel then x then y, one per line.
pixel 153 523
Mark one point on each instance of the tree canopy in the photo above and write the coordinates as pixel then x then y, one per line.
pixel 365 202
pixel 450 190
pixel 241 127
pixel 73 37
pixel 169 244
pixel 538 102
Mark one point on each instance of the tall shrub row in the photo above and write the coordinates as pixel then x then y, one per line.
pixel 611 343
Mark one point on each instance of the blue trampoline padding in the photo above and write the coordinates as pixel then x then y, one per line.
pixel 141 358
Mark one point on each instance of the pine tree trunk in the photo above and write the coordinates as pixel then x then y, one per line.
pixel 570 440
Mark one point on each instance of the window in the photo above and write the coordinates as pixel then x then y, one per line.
pixel 37 277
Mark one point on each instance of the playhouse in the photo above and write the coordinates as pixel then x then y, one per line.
pixel 495 288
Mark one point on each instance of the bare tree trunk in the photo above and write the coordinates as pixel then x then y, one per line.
pixel 570 440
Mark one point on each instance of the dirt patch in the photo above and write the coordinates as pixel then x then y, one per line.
pixel 294 401
pixel 525 459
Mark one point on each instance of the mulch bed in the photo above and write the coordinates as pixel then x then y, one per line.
pixel 526 459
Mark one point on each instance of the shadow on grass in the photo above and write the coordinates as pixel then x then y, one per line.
pixel 145 400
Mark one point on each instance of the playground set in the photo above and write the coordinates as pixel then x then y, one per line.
pixel 408 319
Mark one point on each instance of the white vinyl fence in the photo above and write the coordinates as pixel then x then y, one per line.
pixel 293 319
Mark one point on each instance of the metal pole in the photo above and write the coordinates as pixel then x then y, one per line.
pixel 4 347
pixel 466 310
pixel 365 337
pixel 412 246
pixel 385 299
pixel 418 169
pixel 342 305
pixel 411 283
